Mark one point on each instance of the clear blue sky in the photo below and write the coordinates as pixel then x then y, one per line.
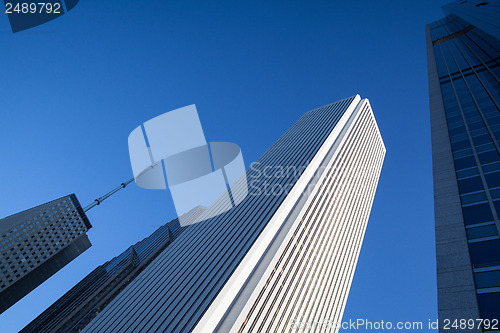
pixel 74 88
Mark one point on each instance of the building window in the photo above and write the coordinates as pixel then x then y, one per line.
pixel 472 184
pixel 483 231
pixel 473 198
pixel 477 214
pixel 487 279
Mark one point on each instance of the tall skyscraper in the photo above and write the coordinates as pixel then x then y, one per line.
pixel 282 258
pixel 38 242
pixel 464 89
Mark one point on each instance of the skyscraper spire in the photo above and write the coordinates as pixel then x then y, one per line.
pixel 99 200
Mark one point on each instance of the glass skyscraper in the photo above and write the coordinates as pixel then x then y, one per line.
pixel 464 88
pixel 285 256
pixel 38 242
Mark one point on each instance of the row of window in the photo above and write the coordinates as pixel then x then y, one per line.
pixel 482 231
pixel 475 184
pixel 485 253
pixel 465 51
pixel 467 162
pixel 474 171
pixel 488 279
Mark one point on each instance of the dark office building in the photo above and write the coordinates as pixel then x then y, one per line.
pixel 38 242
pixel 464 88
pixel 75 309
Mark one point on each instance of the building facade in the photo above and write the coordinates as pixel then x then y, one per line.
pixel 75 309
pixel 464 89
pixel 38 242
pixel 481 14
pixel 283 257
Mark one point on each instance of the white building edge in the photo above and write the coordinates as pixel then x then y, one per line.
pixel 297 275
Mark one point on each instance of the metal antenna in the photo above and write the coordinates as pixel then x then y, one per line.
pixel 107 195
pixel 98 201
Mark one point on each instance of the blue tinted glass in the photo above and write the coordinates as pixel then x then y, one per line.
pixel 473 118
pixel 490 82
pixel 459 137
pixel 462 63
pixel 471 198
pixel 479 132
pixel 440 61
pixel 452 117
pixel 468 54
pixel 494 43
pixel 452 66
pixel 455 124
pixel 477 50
pixel 486 147
pixel 467 173
pixel 497 205
pixel 489 157
pixel 462 153
pixel 485 253
pixel 482 139
pixel 493 179
pixel 465 162
pixel 476 125
pixel 433 33
pixel 456 131
pixel 459 145
pixel 491 167
pixel 484 231
pixel 488 305
pixel 495 120
pixel 495 194
pixel 477 214
pixel 487 279
pixel 479 39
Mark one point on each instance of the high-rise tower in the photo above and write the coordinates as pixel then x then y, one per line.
pixel 285 256
pixel 464 89
pixel 38 242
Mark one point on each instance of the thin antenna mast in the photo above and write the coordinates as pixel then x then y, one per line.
pixel 107 195
pixel 98 201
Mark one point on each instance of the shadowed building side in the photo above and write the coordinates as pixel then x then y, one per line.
pixel 38 242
